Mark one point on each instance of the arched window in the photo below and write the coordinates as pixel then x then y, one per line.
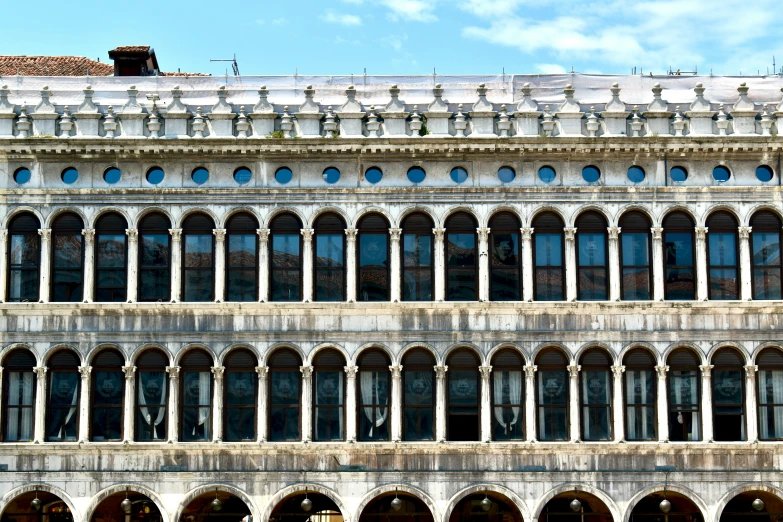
pixel 329 258
pixel 374 397
pixel 505 267
pixel 770 394
pixel 24 258
pixel 635 246
pixel 418 380
pixel 285 254
pixel 552 395
pixel 67 258
pixel 684 396
pixel 464 396
pixel 508 389
pixel 593 273
pixel 765 255
pixel 329 396
pixel 242 258
pixel 373 271
pixel 596 395
pixel 62 409
pixel 728 396
pixel 461 258
pixel 417 257
pixel 196 396
pixel 722 256
pixel 106 396
pixel 18 396
pixel 111 258
pixel 154 258
pixel 198 258
pixel 152 386
pixel 285 395
pixel 680 276
pixel 548 254
pixel 239 396
pixel 640 395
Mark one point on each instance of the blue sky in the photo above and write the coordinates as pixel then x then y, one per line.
pixel 411 36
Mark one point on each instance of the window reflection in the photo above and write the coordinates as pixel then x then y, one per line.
pixel 239 405
pixel 285 274
pixel 329 391
pixel 285 382
pixel 765 255
pixel 596 396
pixel 151 396
pixel 196 421
pixel 198 258
pixel 418 396
pixel 373 256
pixel 592 279
pixel 770 394
pixel 722 256
pixel 242 258
pixel 62 408
pixel 417 241
pixel 552 396
pixel 374 396
pixel 329 238
pixel 461 258
pixel 154 258
pixel 505 259
pixel 507 385
pixel 18 396
pixel 463 396
pixel 111 258
pixel 684 397
pixel 640 395
pixel 24 257
pixel 680 276
pixel 67 258
pixel 728 396
pixel 106 398
pixel 548 257
pixel 636 276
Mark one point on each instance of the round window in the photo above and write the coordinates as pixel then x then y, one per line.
pixel 763 173
pixel 70 175
pixel 546 174
pixel 331 175
pixel 506 174
pixel 678 174
pixel 721 173
pixel 199 175
pixel 22 175
pixel 636 174
pixel 155 175
pixel 112 175
pixel 242 175
pixel 283 175
pixel 416 174
pixel 591 174
pixel 459 175
pixel 373 175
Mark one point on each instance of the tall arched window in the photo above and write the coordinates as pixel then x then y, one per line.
pixel 329 396
pixel 154 258
pixel 765 255
pixel 198 258
pixel 239 396
pixel 18 396
pixel 640 395
pixel 635 246
pixel 505 261
pixel 418 381
pixel 62 408
pixel 464 396
pixel 106 396
pixel 196 396
pixel 285 395
pixel 152 387
pixel 684 396
pixel 329 258
pixel 770 394
pixel 111 258
pixel 242 258
pixel 374 396
pixel 552 395
pixel 596 395
pixel 67 258
pixel 461 258
pixel 372 278
pixel 548 254
pixel 680 275
pixel 508 389
pixel 417 257
pixel 24 258
pixel 285 258
pixel 592 254
pixel 728 396
pixel 722 256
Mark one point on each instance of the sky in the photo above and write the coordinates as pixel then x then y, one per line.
pixel 394 37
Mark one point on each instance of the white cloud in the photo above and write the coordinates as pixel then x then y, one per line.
pixel 490 8
pixel 279 21
pixel 411 10
pixel 550 68
pixel 260 21
pixel 395 41
pixel 340 40
pixel 341 19
pixel 354 2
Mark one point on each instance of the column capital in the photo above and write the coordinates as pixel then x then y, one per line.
pixel 483 233
pixel 307 234
pixel 657 232
pixel 176 233
pixel 133 234
pixel 262 371
pixel 173 371
pixel 396 371
pixel 395 233
pixel 530 370
pixel 85 372
pixel 263 234
pixel 440 371
pixel 45 233
pixel 574 369
pixel 485 371
pixel 307 371
pixel 527 233
pixel 220 234
pixel 218 371
pixel 614 232
pixel 350 371
pixel 89 235
pixel 439 232
pixel 350 234
pixel 701 233
pixel 618 370
pixel 570 233
pixel 129 371
pixel 750 370
pixel 706 370
pixel 744 232
pixel 40 371
pixel 662 371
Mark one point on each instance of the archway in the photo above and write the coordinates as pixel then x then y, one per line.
pixel 681 509
pixel 384 508
pixel 37 506
pixel 576 506
pixel 486 506
pixel 306 506
pixel 113 508
pixel 744 508
pixel 215 506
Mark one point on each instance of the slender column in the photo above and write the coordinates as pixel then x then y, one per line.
pixel 307 265
pixel 617 400
pixel 663 404
pixel 350 265
pixel 570 263
pixel 706 400
pixel 220 264
pixel 614 263
pixel 527 264
pixel 1 388
pixel 394 251
pixel 46 256
pixel 657 263
pixel 40 404
pixel 307 403
pixel 483 283
pixel 128 402
pixel 176 264
pixel 350 403
pixel 746 293
pixel 701 264
pixel 440 270
pixel 263 264
pixel 486 404
pixel 84 404
pixel 3 265
pixel 530 403
pixel 750 403
pixel 263 412
pixel 396 404
pixel 573 401
pixel 440 403
pixel 217 400
pixel 133 264
pixel 89 264
pixel 173 372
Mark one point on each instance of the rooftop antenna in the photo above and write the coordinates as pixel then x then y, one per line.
pixel 234 64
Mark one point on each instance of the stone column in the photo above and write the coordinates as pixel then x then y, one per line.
pixel 128 403
pixel 657 264
pixel 133 264
pixel 1 388
pixel 217 403
pixel 483 247
pixel 702 292
pixel 617 402
pixel 746 291
pixel 350 265
pixel 307 265
pixel 440 403
pixel 350 403
pixel 614 263
pixel 573 401
pixel 89 264
pixel 263 411
pixel 663 404
pixel 486 404
pixel 706 402
pixel 173 372
pixel 750 403
pixel 528 268
pixel 84 404
pixel 3 266
pixel 530 403
pixel 570 263
pixel 396 403
pixel 46 256
pixel 220 264
pixel 263 264
pixel 440 269
pixel 176 264
pixel 40 404
pixel 395 268
pixel 307 403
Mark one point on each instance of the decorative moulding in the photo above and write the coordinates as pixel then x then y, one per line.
pixel 527 114
pixel 778 115
pixel 657 114
pixel 351 115
pixel 263 115
pixel 45 116
pixel 438 114
pixel 482 116
pixel 614 116
pixel 7 114
pixel 23 124
pixel 177 116
pixel 66 123
pixel 569 114
pixel 700 113
pixel 221 116
pixel 743 113
pixel 309 117
pixel 373 125
pixel 394 115
pixel 132 116
pixel 87 116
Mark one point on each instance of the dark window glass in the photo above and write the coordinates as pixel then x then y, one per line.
pixel 463 396
pixel 591 174
pixel 721 173
pixel 106 397
pixel 459 175
pixel 154 258
pixel 684 397
pixel 110 259
pixel 418 396
pixel 640 395
pixel 505 259
pixel 70 175
pixel 374 394
pixel 243 175
pixel 722 256
pixel 593 273
pixel 680 273
pixel 508 391
pixel 549 272
pixel 506 174
pixel 373 256
pixel 22 176
pixel 285 258
pixel 416 174
pixel 285 383
pixel 67 259
pixel 199 175
pixel 283 175
pixel 417 263
pixel 728 396
pixel 329 264
pixel 546 174
pixel 196 397
pixel 112 175
pixel 764 173
pixel 461 258
pixel 765 255
pixel 373 175
pixel 636 174
pixel 596 396
pixel 151 396
pixel 242 258
pixel 331 175
pixel 239 403
pixel 636 272
pixel 62 408
pixel 552 396
pixel 155 176
pixel 19 389
pixel 198 270
pixel 329 396
pixel 24 258
pixel 770 394
pixel 678 174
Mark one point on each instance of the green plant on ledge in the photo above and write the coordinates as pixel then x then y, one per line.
pixel 278 134
pixel 424 130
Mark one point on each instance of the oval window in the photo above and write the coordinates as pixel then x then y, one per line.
pixel 591 174
pixel 763 173
pixel 199 175
pixel 243 175
pixel 459 175
pixel 416 174
pixel 331 175
pixel 636 174
pixel 678 174
pixel 506 174
pixel 721 173
pixel 373 174
pixel 112 175
pixel 155 175
pixel 283 175
pixel 22 175
pixel 546 174
pixel 70 175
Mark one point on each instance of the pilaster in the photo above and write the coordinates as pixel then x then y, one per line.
pixel 173 406
pixel 350 264
pixel 663 403
pixel 263 411
pixel 746 292
pixel 263 264
pixel 133 264
pixel 176 264
pixel 84 404
pixel 440 403
pixel 307 264
pixel 350 403
pixel 570 263
pixel 527 264
pixel 307 403
pixel 530 402
pixel 706 402
pixel 483 283
pixel 40 404
pixel 440 270
pixel 127 406
pixel 617 403
pixel 614 263
pixel 46 256
pixel 396 403
pixel 396 269
pixel 657 263
pixel 702 292
pixel 89 264
pixel 751 407
pixel 220 264
pixel 486 404
pixel 573 401
pixel 217 403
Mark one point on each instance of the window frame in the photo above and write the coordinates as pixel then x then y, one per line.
pixel 676 229
pixel 297 370
pixel 374 231
pixel 753 265
pixel 152 231
pixel 608 406
pixel 341 410
pixel 449 374
pixel 649 266
pixel 8 369
pixel 523 399
pixel 11 268
pixel 501 269
pixel 360 405
pixel 770 405
pixel 639 406
pixel 49 408
pixel 283 231
pixel 670 404
pixel 181 398
pixel 417 231
pixel 547 230
pixel 234 231
pixel 736 267
pixel 580 267
pixel 566 407
pixel 342 270
pixel 447 269
pixel 94 384
pixel 184 269
pixel 53 247
pixel 96 271
pixel 433 406
pixel 717 366
pixel 224 393
pixel 166 404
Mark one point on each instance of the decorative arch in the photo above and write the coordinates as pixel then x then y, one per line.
pixel 264 223
pixel 762 346
pixel 237 346
pixel 480 488
pixel 63 210
pixel 106 210
pixel 745 488
pixel 193 346
pixel 658 488
pixel 644 346
pixel 546 208
pixel 61 346
pixel 354 360
pixel 461 208
pixel 119 488
pixel 410 346
pixel 417 208
pixel 310 223
pixel 758 208
pixel 21 346
pixel 508 346
pixel 21 210
pixel 632 208
pixel 731 209
pixel 370 210
pixel 729 344
pixel 684 344
pixel 39 486
pixel 560 346
pixel 502 208
pixel 596 344
pixel 93 352
pixel 588 208
pixel 136 353
pixel 391 488
pixel 225 488
pixel 326 346
pixel 300 488
pixel 238 210
pixel 578 486
pixel 677 208
pixel 457 346
pixel 197 210
pixel 149 210
pixel 279 346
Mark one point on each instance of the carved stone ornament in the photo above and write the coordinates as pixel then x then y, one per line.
pixel 242 125
pixel 307 234
pixel 23 124
pixel 110 122
pixel 460 122
pixel 395 233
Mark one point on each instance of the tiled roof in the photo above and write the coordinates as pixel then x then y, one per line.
pixel 53 66
pixel 184 74
pixel 131 49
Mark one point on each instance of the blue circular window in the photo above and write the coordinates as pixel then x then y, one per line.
pixel 721 173
pixel 70 175
pixel 112 175
pixel 636 174
pixel 373 174
pixel 155 175
pixel 416 174
pixel 199 175
pixel 678 174
pixel 283 175
pixel 22 175
pixel 458 175
pixel 331 175
pixel 763 173
pixel 506 174
pixel 591 174
pixel 243 175
pixel 546 174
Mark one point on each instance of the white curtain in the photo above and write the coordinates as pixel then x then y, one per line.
pixel 20 420
pixel 143 402
pixel 771 379
pixel 71 410
pixel 205 402
pixel 514 380
pixel 634 379
pixel 366 382
pixel 680 380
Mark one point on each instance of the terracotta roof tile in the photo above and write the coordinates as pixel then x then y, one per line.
pixel 184 74
pixel 53 66
pixel 131 49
